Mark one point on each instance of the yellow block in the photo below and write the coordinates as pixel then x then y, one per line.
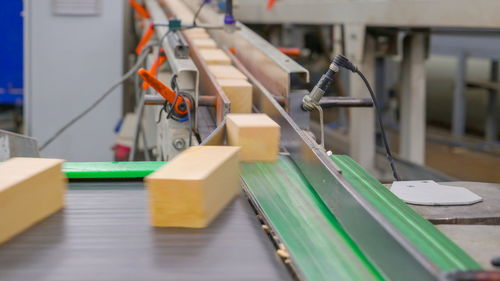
pixel 226 72
pixel 205 43
pixel 31 189
pixel 197 33
pixel 193 188
pixel 256 134
pixel 239 92
pixel 215 56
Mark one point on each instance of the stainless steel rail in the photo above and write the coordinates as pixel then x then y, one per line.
pixel 378 239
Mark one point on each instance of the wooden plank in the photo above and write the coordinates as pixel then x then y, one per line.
pixel 215 56
pixel 193 188
pixel 257 134
pixel 204 43
pixel 196 33
pixel 239 93
pixel 31 189
pixel 226 72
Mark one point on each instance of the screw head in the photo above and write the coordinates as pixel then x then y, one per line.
pixel 179 144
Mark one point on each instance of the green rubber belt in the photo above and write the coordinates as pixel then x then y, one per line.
pixel 110 170
pixel 423 235
pixel 318 245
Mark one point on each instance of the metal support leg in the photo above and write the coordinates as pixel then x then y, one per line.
pixel 412 140
pixel 381 83
pixel 137 129
pixel 341 79
pixel 292 36
pixel 491 111
pixel 459 110
pixel 361 50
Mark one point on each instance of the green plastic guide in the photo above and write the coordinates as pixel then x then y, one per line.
pixel 319 247
pixel 431 242
pixel 110 170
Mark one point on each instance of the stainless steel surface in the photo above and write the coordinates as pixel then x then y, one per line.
pixel 486 212
pixel 217 136
pixel 104 234
pixel 409 13
pixel 210 87
pixel 179 45
pixel 208 84
pixel 273 68
pixel 327 102
pixel 482 242
pixel 15 145
pixel 187 81
pixel 155 99
pixel 356 215
pixel 299 116
pixel 206 124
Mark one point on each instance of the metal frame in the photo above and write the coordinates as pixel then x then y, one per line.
pixel 409 13
pixel 360 217
pixel 268 64
pixel 16 145
pixel 170 131
pixel 357 216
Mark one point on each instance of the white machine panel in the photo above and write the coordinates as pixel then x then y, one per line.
pixel 76 7
pixel 69 62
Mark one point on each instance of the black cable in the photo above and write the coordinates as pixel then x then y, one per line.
pixel 381 125
pixel 164 108
pixel 344 62
pixel 126 76
pixel 198 12
pixel 175 88
pixel 190 122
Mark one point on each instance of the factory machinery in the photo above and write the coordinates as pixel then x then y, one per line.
pixel 312 215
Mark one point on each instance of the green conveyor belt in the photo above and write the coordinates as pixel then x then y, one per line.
pixel 320 248
pixel 110 170
pixel 424 236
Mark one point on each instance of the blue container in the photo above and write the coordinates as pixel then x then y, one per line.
pixel 11 53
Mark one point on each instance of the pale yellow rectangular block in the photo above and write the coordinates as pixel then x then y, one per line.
pixel 204 43
pixel 196 33
pixel 239 93
pixel 193 188
pixel 215 56
pixel 256 134
pixel 226 72
pixel 31 189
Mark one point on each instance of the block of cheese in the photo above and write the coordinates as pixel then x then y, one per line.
pixel 239 92
pixel 204 43
pixel 193 188
pixel 226 72
pixel 256 134
pixel 215 56
pixel 30 190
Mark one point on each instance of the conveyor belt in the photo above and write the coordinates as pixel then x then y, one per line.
pixel 103 234
pixel 320 248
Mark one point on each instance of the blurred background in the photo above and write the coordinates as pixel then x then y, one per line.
pixel 57 56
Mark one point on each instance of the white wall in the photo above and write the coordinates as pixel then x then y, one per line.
pixel 69 62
